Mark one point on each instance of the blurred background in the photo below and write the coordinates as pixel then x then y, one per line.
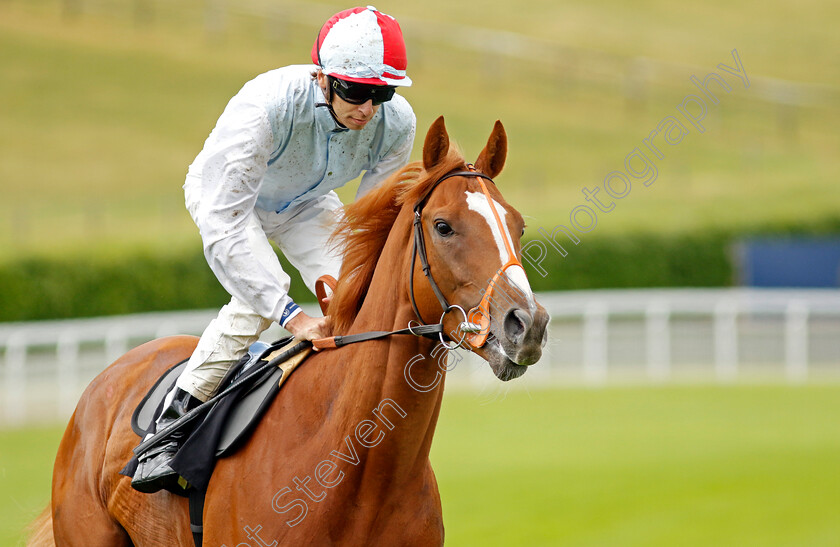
pixel 689 393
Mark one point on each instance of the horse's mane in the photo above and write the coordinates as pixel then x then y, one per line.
pixel 363 230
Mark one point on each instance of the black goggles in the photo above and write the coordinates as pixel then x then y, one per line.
pixel 355 93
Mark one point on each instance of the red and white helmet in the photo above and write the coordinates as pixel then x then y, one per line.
pixel 362 45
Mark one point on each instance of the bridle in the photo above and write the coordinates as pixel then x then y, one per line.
pixel 476 324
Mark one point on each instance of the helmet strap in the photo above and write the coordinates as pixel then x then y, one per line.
pixel 329 97
pixel 329 105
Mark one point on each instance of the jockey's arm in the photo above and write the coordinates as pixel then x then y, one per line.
pixel 230 183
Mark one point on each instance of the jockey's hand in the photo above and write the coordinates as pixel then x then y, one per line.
pixel 304 327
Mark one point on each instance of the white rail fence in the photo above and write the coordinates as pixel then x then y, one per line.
pixel 596 337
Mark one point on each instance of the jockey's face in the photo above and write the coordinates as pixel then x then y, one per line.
pixel 353 116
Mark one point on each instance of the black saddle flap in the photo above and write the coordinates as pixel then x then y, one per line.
pixel 240 416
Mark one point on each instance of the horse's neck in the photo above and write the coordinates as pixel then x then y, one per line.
pixel 397 384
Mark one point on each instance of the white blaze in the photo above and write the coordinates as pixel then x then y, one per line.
pixel 478 202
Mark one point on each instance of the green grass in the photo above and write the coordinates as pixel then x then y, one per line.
pixel 621 466
pixel 26 460
pixel 642 466
pixel 101 116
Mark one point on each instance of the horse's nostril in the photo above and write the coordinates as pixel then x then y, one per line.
pixel 517 322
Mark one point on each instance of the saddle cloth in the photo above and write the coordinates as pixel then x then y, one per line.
pixel 232 417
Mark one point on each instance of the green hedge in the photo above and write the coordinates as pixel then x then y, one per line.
pixel 52 288
pixel 46 288
pixel 642 260
pixel 703 259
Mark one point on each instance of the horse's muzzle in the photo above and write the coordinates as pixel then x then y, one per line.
pixel 524 334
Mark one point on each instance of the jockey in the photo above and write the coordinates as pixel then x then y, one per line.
pixel 267 173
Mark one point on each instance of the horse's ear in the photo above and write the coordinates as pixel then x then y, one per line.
pixel 436 146
pixel 492 158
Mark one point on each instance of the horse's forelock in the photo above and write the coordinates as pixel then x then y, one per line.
pixel 428 178
pixel 365 226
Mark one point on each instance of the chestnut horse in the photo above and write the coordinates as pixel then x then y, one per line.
pixel 342 454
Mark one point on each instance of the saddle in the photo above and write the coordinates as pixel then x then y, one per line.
pixel 245 394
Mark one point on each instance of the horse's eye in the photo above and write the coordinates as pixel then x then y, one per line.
pixel 443 228
pixel 523 232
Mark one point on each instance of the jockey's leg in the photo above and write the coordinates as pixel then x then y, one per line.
pixel 228 337
pixel 302 234
pixel 225 340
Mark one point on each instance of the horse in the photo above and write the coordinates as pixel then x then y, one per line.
pixel 341 457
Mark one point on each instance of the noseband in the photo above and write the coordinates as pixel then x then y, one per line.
pixel 476 324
